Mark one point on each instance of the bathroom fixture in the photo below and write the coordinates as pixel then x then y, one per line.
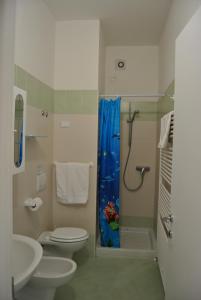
pixel 120 64
pixel 142 170
pixel 36 136
pixel 19 128
pixel 51 273
pixel 130 121
pixel 26 255
pixel 33 204
pixel 44 113
pixel 41 179
pixel 64 241
pixel 165 215
pixel 135 243
pixel 91 164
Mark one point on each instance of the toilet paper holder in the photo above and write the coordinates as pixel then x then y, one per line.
pixel 33 203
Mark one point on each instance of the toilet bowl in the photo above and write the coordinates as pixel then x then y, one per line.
pixel 51 273
pixel 63 241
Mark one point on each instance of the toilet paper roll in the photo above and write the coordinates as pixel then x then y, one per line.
pixel 33 204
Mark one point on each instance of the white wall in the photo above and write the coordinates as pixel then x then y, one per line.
pixel 34 52
pixel 180 13
pixel 183 278
pixel 35 29
pixel 7 23
pixel 101 61
pixel 141 75
pixel 76 55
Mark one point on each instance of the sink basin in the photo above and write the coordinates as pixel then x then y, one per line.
pixel 26 255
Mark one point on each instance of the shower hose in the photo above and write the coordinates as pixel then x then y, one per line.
pixel 131 189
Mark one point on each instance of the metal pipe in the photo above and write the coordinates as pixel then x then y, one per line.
pixel 134 96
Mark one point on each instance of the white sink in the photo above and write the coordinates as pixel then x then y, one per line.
pixel 26 255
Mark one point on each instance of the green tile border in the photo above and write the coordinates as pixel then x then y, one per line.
pixel 151 110
pixel 131 221
pixel 76 102
pixel 148 110
pixel 39 94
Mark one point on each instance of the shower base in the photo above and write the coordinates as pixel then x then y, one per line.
pixel 135 243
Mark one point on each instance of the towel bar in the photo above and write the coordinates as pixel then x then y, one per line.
pixel 91 164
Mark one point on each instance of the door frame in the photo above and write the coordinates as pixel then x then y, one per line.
pixel 7 39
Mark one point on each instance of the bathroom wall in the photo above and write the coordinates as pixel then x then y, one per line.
pixel 101 66
pixel 76 101
pixel 34 55
pixel 180 13
pixel 140 77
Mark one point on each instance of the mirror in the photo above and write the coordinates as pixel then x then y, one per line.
pixel 19 129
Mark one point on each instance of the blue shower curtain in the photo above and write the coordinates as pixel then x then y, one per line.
pixel 109 171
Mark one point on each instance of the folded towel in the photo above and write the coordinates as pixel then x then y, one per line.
pixel 72 180
pixel 165 129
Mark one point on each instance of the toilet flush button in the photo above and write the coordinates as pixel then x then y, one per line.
pixel 65 124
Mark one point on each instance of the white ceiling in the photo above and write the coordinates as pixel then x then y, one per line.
pixel 125 22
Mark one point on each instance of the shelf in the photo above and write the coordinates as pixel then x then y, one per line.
pixel 33 136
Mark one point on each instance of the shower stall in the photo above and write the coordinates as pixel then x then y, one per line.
pixel 136 185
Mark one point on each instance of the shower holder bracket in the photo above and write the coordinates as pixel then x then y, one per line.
pixel 143 169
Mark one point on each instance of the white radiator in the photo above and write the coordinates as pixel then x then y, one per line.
pixel 165 217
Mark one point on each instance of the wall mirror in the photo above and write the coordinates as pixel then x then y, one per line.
pixel 19 113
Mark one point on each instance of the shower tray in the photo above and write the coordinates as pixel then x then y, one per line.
pixel 135 243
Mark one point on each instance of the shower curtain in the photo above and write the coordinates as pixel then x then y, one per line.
pixel 109 172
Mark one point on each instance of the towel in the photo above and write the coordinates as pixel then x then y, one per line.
pixel 165 129
pixel 72 181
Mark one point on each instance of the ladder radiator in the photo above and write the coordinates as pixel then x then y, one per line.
pixel 165 183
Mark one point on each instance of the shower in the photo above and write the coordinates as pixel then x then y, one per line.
pixel 121 233
pixel 141 169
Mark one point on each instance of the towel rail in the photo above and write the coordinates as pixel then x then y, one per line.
pixel 91 164
pixel 165 179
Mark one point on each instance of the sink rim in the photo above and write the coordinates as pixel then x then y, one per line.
pixel 21 279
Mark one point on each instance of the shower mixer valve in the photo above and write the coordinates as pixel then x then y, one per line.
pixel 142 169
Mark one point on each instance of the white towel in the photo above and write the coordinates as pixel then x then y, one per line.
pixel 165 129
pixel 72 180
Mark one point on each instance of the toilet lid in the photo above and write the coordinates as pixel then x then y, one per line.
pixel 68 233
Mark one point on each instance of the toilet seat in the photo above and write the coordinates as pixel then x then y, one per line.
pixel 68 235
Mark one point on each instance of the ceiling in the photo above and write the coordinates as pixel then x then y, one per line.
pixel 124 22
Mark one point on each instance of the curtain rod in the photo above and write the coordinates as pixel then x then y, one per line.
pixel 134 96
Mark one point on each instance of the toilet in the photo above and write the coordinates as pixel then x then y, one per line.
pixel 64 241
pixel 51 273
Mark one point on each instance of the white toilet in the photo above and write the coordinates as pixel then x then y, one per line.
pixel 63 241
pixel 51 273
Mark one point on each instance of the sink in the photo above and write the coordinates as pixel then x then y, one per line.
pixel 26 255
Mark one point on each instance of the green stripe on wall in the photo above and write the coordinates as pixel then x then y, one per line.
pixel 148 110
pixel 39 94
pixel 76 102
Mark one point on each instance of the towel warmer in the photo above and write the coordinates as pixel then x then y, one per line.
pixel 165 217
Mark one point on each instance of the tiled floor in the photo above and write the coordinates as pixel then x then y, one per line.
pixel 113 278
